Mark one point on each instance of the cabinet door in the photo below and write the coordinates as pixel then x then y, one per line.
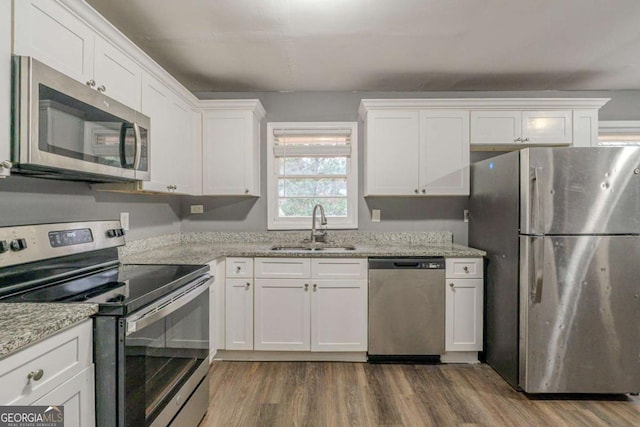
pixel 463 318
pixel 585 128
pixel 495 127
pixel 239 314
pixel 444 152
pixel 391 151
pixel 547 127
pixel 77 395
pixel 5 80
pixel 230 147
pixel 282 314
pixel 186 163
pixel 339 315
pixel 116 74
pixel 155 104
pixel 50 33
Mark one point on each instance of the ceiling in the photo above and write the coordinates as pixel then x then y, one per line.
pixel 362 45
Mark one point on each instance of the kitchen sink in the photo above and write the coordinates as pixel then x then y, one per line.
pixel 321 248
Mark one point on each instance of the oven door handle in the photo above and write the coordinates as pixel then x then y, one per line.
pixel 166 306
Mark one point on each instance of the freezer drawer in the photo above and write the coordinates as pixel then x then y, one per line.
pixel 580 314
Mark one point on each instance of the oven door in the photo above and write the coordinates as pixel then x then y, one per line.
pixel 166 354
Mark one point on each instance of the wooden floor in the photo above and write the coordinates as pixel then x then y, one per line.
pixel 360 394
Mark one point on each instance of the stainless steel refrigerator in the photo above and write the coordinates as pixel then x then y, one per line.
pixel 561 227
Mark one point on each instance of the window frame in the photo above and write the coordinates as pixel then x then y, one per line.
pixel 304 223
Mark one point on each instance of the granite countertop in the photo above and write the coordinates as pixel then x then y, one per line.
pixel 22 324
pixel 201 253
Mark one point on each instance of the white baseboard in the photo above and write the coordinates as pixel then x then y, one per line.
pixel 290 356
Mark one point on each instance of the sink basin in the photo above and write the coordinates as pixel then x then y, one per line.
pixel 302 248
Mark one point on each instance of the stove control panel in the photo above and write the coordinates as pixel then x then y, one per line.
pixel 28 243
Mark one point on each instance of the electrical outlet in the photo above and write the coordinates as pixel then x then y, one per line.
pixel 375 215
pixel 197 209
pixel 466 215
pixel 124 220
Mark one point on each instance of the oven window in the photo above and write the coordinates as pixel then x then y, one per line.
pixel 161 357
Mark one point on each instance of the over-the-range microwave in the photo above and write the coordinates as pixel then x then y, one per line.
pixel 62 128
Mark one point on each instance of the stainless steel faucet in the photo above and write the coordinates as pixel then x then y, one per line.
pixel 318 236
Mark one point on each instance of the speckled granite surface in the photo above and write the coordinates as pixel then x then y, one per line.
pixel 22 324
pixel 200 253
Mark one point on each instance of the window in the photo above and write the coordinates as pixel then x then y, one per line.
pixel 311 163
pixel 619 133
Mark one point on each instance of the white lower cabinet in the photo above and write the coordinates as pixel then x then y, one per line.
pixel 239 314
pixel 77 397
pixel 282 314
pixel 324 311
pixel 339 315
pixel 55 371
pixel 464 305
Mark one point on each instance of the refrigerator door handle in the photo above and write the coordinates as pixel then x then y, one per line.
pixel 536 221
pixel 537 269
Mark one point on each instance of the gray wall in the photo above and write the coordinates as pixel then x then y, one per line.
pixel 29 200
pixel 398 214
pixel 25 200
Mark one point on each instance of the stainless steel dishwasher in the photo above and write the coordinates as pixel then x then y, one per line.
pixel 406 309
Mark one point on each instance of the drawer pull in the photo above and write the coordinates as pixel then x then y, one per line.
pixel 238 268
pixel 35 375
pixel 466 269
pixel 451 284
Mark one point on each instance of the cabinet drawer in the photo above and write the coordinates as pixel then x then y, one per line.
pixel 239 268
pixel 284 268
pixel 464 268
pixel 60 357
pixel 339 268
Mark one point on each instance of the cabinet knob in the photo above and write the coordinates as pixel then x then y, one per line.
pixel 424 191
pixel 246 191
pixel 306 286
pixel 91 83
pixel 416 191
pixel 315 287
pixel 518 139
pixel 35 375
pixel 238 268
pixel 102 88
pixel 451 284
pixel 525 140
pixel 466 269
pixel 248 285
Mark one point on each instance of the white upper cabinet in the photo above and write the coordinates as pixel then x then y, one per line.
pixel 510 124
pixel 231 147
pixel 553 127
pixel 414 150
pixel 5 83
pixel 175 141
pixel 116 75
pixel 392 144
pixel 444 155
pixel 50 33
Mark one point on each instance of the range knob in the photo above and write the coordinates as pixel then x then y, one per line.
pixel 18 245
pixel 4 246
pixel 120 232
pixel 112 233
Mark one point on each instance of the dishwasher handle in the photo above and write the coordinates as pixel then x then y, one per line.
pixel 430 263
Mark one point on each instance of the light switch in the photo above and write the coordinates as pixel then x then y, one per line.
pixel 375 215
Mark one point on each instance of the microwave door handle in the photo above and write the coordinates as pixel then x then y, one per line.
pixel 122 150
pixel 136 134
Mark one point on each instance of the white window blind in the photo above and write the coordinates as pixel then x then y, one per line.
pixel 312 164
